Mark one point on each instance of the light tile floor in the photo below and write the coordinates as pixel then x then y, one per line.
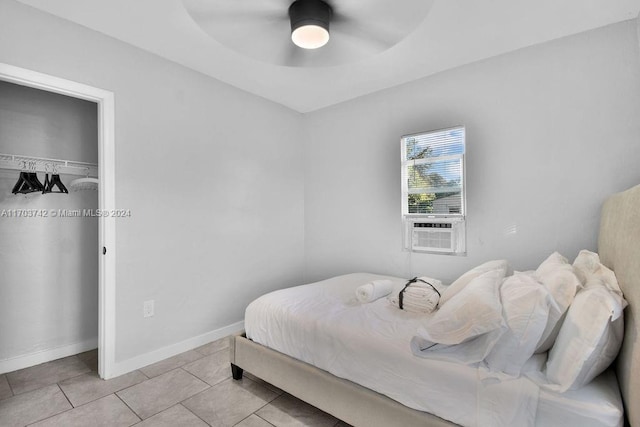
pixel 191 389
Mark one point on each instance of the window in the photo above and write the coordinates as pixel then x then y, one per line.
pixel 433 173
pixel 433 199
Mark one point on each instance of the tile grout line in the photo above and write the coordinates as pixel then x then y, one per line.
pixel 172 369
pixel 202 379
pixel 130 408
pixel 209 387
pixel 254 413
pixel 60 387
pixel 266 404
pixel 47 385
pixel 178 403
pixel 6 377
pixel 196 377
pixel 202 356
pixel 54 415
pixel 65 396
pixel 98 398
pixel 264 420
pixel 190 411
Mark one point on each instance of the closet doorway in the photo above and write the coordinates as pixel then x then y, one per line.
pixel 106 197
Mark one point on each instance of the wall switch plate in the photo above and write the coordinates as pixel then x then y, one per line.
pixel 147 308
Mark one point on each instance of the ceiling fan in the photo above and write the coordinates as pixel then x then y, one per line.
pixel 308 33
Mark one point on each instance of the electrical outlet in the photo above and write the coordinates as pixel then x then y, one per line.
pixel 147 308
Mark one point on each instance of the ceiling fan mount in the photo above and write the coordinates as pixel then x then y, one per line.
pixel 310 21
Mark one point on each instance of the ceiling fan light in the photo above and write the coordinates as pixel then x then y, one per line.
pixel 310 36
pixel 310 23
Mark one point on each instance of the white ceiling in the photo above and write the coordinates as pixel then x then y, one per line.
pixel 455 32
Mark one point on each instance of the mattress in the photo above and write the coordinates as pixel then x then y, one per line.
pixel 323 324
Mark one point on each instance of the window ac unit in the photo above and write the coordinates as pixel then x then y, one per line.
pixel 436 235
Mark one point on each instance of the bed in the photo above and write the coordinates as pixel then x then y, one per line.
pixel 361 405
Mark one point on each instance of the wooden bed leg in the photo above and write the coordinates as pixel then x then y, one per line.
pixel 236 372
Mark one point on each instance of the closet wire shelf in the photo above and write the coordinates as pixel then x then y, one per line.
pixel 40 164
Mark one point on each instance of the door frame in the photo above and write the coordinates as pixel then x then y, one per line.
pixel 106 196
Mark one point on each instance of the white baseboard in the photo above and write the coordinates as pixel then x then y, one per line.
pixel 137 362
pixel 32 359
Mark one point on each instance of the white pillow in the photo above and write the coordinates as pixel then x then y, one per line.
pixel 589 339
pixel 553 262
pixel 587 265
pixel 461 282
pixel 562 285
pixel 473 311
pixel 525 308
pixel 557 275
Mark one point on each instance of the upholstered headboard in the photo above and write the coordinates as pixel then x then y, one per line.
pixel 619 249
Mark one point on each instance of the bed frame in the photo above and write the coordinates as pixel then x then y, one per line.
pixel 619 249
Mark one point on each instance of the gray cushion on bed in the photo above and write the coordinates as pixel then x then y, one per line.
pixel 619 249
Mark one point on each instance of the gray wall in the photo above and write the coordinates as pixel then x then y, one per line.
pixel 211 174
pixel 552 130
pixel 49 279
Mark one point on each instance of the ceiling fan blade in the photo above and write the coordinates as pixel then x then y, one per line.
pixel 203 11
pixel 297 57
pixel 239 17
pixel 260 29
pixel 294 56
pixel 378 36
pixel 384 23
pixel 379 10
pixel 266 41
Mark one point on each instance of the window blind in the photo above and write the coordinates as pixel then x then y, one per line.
pixel 433 172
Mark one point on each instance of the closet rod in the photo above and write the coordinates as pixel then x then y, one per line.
pixel 40 164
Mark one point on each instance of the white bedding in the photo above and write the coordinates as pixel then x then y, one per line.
pixel 324 325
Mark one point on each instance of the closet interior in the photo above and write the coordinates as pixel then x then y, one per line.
pixel 48 228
